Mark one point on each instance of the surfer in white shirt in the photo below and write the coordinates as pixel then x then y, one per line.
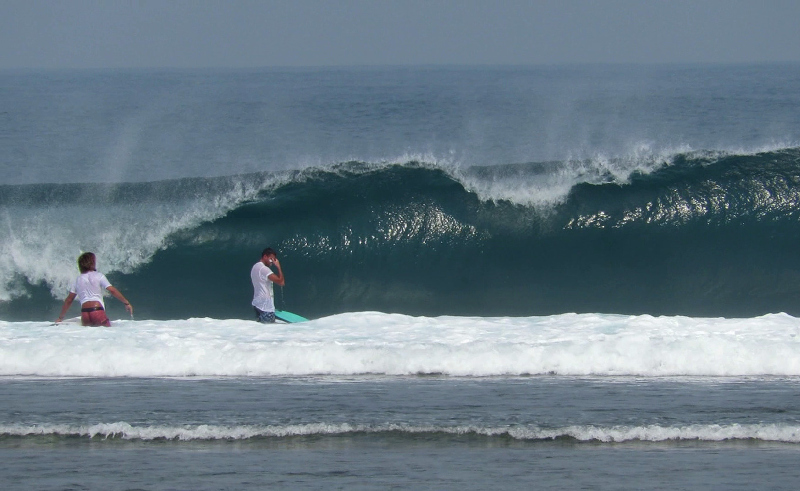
pixel 88 287
pixel 263 278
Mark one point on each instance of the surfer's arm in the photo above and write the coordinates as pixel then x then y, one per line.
pixel 116 293
pixel 66 306
pixel 277 278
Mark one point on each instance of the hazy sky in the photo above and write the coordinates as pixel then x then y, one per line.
pixel 252 33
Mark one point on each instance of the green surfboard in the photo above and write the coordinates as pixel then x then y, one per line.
pixel 289 317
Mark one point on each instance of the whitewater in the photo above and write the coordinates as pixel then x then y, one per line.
pixel 393 344
pixel 211 433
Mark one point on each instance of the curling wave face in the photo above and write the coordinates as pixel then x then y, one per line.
pixel 699 233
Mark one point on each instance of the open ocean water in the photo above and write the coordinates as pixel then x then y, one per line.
pixel 580 277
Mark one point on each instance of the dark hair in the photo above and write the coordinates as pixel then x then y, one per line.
pixel 86 262
pixel 269 251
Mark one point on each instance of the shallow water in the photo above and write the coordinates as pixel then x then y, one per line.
pixel 373 432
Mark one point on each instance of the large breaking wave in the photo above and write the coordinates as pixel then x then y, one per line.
pixel 700 233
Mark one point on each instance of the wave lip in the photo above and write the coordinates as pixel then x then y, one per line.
pixel 698 233
pixel 781 433
pixel 400 345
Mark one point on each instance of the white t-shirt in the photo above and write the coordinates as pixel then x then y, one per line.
pixel 262 288
pixel 89 286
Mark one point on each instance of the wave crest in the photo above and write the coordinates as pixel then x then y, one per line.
pixel 781 433
pixel 700 233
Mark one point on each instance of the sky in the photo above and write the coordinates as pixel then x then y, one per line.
pixel 270 33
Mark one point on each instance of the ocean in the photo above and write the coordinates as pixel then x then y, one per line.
pixel 552 276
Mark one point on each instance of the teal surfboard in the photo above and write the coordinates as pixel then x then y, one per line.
pixel 289 317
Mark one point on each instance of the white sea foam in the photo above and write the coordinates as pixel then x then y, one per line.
pixel 553 186
pixel 392 344
pixel 41 244
pixel 580 167
pixel 783 433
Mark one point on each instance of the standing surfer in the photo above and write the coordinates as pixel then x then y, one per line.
pixel 88 287
pixel 263 278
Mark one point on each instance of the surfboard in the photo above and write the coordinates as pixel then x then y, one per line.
pixel 289 317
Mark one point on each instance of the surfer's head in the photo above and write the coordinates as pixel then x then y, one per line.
pixel 267 255
pixel 86 262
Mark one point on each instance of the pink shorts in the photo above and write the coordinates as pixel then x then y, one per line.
pixel 94 316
